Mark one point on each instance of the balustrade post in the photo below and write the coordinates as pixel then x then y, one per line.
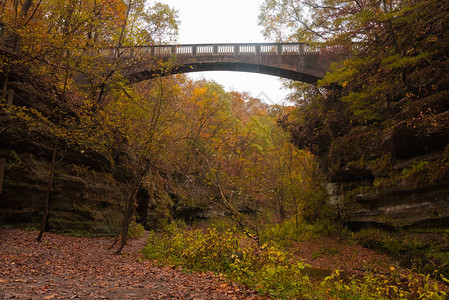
pixel 279 50
pixel 236 50
pixel 301 49
pixel 302 57
pixel 257 49
pixel 173 50
pixel 215 49
pixel 194 50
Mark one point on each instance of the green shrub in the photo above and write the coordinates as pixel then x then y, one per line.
pixel 285 233
pixel 135 231
pixel 377 286
pixel 267 268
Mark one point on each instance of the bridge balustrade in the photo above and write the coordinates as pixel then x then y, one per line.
pixel 213 50
pixel 218 49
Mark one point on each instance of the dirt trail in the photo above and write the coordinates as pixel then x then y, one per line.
pixel 64 267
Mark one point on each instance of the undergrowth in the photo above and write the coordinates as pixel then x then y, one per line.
pixel 273 272
pixel 135 231
pixel 292 231
pixel 426 252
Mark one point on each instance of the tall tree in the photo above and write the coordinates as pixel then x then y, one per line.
pixel 60 41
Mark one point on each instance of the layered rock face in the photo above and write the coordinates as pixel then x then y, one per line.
pixel 85 196
pixel 396 176
pixel 403 206
pixel 82 200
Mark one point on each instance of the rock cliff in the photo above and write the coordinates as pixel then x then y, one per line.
pixel 82 200
pixel 396 176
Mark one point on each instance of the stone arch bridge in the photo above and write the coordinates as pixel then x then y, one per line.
pixel 297 61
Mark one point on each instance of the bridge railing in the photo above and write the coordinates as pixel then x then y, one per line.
pixel 194 50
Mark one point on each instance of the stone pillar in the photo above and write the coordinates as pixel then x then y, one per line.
pixel 302 58
pixel 236 49
pixel 215 49
pixel 301 49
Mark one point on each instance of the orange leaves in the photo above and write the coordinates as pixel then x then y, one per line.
pixel 112 9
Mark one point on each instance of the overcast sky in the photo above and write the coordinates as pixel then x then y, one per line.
pixel 227 21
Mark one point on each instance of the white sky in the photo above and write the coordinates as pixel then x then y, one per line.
pixel 227 21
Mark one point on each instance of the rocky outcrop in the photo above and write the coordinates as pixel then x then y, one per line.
pixel 412 138
pixel 396 178
pixel 85 196
pixel 402 206
pixel 82 200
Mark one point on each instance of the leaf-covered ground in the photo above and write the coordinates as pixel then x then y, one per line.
pixel 64 267
pixel 331 253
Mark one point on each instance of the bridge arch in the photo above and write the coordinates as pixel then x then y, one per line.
pixel 297 61
pixel 225 66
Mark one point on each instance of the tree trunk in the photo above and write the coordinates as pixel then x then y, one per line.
pixel 2 172
pixel 282 210
pixel 296 216
pixel 129 213
pixel 131 205
pixel 52 170
pixel 5 82
pixel 48 193
pixel 281 205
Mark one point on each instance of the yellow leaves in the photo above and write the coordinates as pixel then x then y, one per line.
pixel 431 38
pixel 198 96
